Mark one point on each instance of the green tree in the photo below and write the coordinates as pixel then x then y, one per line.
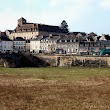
pixel 64 26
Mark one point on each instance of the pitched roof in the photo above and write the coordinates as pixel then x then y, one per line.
pixel 107 37
pixel 76 33
pixel 92 34
pixel 4 37
pixel 52 38
pixel 10 31
pixel 50 28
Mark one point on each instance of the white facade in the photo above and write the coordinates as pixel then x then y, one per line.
pixel 35 46
pixel 49 44
pixel 6 46
pixel 24 35
pixel 44 45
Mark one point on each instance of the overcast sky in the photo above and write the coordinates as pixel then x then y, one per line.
pixel 81 15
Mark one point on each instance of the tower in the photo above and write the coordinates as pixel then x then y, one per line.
pixel 21 21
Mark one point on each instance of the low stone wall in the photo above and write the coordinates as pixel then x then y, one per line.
pixel 28 60
pixel 84 61
pixel 64 61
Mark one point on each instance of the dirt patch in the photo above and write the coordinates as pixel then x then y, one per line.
pixel 91 93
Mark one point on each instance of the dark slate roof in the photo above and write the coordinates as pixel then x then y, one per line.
pixel 98 37
pixel 83 33
pixel 52 38
pixel 75 33
pixel 49 28
pixel 19 39
pixel 4 37
pixel 67 37
pixel 107 37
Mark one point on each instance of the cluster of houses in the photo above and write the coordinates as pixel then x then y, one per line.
pixel 41 38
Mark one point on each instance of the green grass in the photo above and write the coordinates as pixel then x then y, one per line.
pixel 56 73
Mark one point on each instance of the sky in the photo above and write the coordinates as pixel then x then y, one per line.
pixel 80 15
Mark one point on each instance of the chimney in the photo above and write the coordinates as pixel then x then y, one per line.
pixel 50 35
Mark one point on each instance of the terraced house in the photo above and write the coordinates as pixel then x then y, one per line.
pixel 49 44
pixel 69 44
pixel 31 30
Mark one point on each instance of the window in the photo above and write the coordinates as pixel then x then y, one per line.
pixel 68 40
pixel 76 40
pixel 63 40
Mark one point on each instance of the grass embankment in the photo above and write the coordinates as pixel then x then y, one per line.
pixel 54 88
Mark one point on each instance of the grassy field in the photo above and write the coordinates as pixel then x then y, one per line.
pixel 55 88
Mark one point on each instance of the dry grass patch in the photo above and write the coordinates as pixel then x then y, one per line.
pixel 44 92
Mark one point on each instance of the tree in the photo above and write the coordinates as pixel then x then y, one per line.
pixel 64 26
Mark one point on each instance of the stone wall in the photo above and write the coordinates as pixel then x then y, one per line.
pixel 65 61
pixel 84 61
pixel 28 60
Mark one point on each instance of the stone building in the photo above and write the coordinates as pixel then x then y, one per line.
pixel 69 44
pixel 32 30
pixel 49 44
pixel 35 44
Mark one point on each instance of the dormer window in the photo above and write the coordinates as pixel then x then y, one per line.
pixel 63 40
pixel 76 40
pixel 68 40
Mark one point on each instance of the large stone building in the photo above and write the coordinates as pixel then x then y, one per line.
pixel 31 30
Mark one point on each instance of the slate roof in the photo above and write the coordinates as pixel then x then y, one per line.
pixel 76 33
pixel 19 39
pixel 4 37
pixel 52 38
pixel 49 28
pixel 107 37
pixel 67 37
pixel 10 31
pixel 92 34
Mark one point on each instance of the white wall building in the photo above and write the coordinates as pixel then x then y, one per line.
pixel 49 44
pixel 35 46
pixel 6 45
pixel 68 44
